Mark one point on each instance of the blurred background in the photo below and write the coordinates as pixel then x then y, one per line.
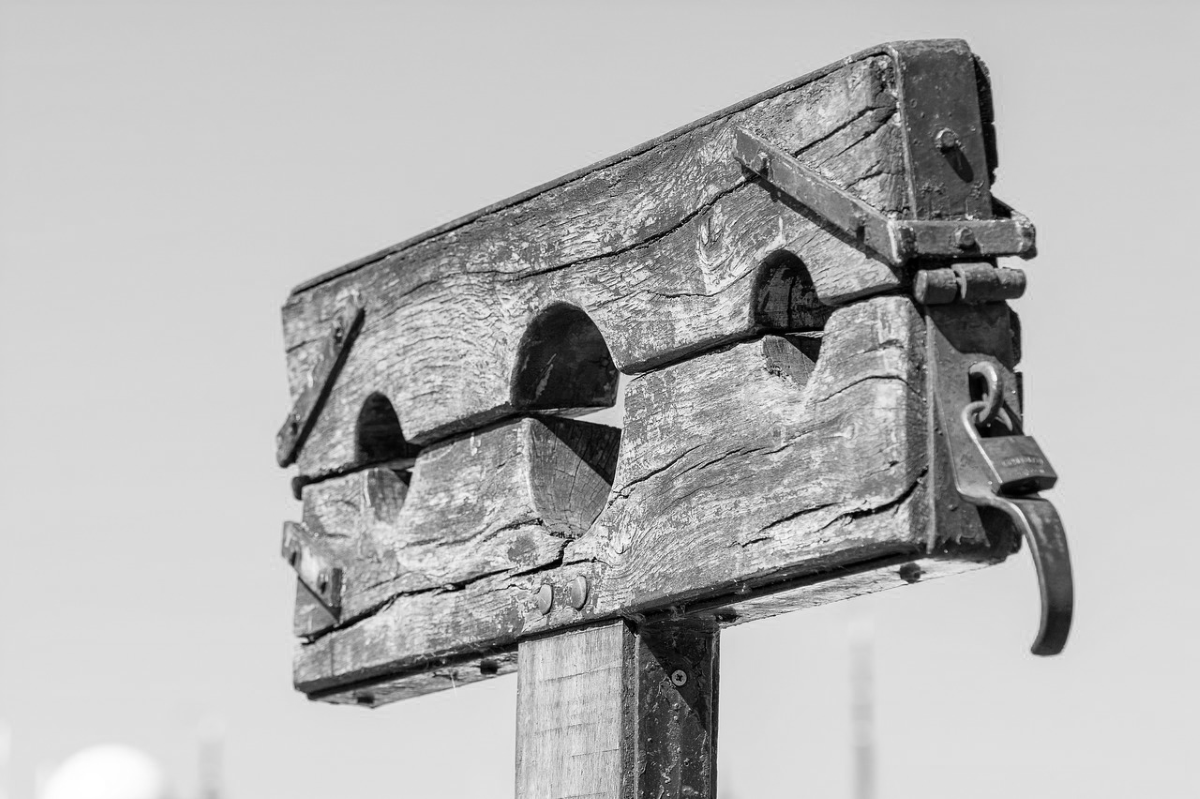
pixel 169 170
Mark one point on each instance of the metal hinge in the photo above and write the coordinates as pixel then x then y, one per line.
pixel 304 411
pixel 897 240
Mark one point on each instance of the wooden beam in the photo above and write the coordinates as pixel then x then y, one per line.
pixel 669 251
pixel 504 500
pixel 615 711
pixel 743 472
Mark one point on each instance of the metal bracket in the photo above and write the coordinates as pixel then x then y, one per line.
pixel 961 336
pixel 313 565
pixel 896 240
pixel 304 411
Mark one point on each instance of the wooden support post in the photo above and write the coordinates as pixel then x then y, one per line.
pixel 615 710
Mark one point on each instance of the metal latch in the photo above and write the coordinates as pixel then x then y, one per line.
pixel 896 240
pixel 994 464
pixel 304 411
pixel 313 565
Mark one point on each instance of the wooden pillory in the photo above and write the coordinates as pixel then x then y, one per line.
pixel 822 403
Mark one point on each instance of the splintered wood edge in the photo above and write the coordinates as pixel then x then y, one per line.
pixel 758 603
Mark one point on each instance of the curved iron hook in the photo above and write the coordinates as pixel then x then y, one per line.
pixel 1042 528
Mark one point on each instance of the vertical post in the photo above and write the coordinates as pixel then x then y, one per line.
pixel 862 707
pixel 618 712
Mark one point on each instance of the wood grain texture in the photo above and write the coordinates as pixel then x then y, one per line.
pixel 503 500
pixel 741 470
pixel 612 711
pixel 671 251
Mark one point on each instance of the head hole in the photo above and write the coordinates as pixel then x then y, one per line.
pixel 563 365
pixel 785 297
pixel 378 436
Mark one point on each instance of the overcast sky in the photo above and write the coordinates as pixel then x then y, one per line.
pixel 169 170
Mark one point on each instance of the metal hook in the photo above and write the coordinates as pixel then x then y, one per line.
pixel 1043 531
pixel 1000 470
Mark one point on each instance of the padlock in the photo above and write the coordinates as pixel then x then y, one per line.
pixel 1013 463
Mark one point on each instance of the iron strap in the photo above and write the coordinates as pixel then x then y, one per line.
pixel 303 415
pixel 897 240
pixel 313 564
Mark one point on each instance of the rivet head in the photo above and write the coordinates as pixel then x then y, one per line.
pixel 860 220
pixel 910 572
pixel 679 677
pixel 946 140
pixel 964 239
pixel 545 598
pixel 579 592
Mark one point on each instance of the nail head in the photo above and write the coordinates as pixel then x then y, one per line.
pixel 545 598
pixel 579 592
pixel 946 139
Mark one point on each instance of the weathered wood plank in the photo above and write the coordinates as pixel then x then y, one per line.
pixel 675 258
pixel 741 469
pixel 618 712
pixel 505 499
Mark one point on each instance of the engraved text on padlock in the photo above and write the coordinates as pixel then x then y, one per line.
pixel 1016 464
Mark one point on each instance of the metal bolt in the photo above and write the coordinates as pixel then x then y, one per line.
pixel 679 677
pixel 294 423
pixel 964 239
pixel 906 240
pixel 545 598
pixel 859 219
pixel 764 162
pixel 910 572
pixel 323 582
pixel 579 592
pixel 946 140
pixel 338 332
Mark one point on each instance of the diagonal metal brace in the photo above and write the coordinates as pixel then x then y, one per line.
pixel 313 565
pixel 303 415
pixel 896 240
